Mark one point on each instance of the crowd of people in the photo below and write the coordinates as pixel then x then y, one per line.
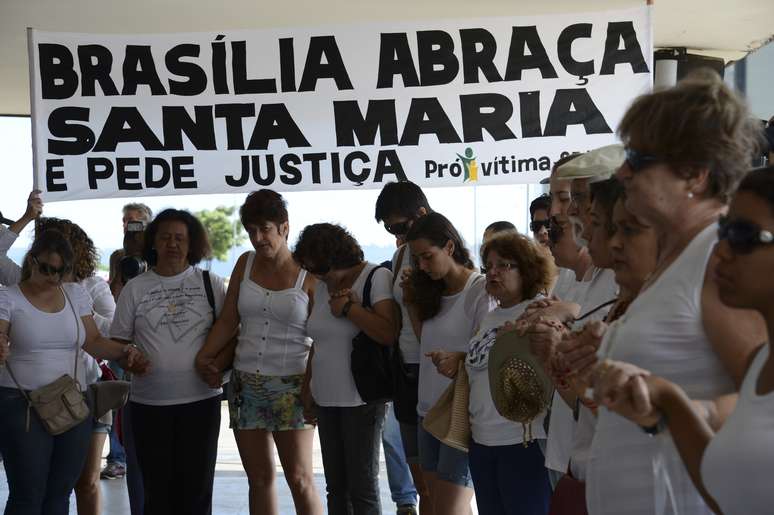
pixel 634 324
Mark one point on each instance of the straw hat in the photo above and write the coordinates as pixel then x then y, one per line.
pixel 598 164
pixel 520 388
pixel 448 420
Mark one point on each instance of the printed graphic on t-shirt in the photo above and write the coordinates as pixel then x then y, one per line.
pixel 478 355
pixel 175 310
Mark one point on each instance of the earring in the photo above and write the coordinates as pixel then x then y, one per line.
pixel 690 194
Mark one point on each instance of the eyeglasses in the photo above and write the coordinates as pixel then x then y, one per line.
pixel 49 270
pixel 400 228
pixel 539 224
pixel 743 237
pixel 499 267
pixel 638 161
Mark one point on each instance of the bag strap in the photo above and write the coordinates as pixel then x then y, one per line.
pixel 396 266
pixel 367 287
pixel 208 291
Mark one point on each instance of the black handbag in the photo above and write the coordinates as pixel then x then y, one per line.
pixel 370 361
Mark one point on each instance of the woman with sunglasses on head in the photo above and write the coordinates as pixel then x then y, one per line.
pixel 449 299
pixel 506 461
pixel 350 429
pixel 167 312
pixel 44 323
pixel 729 466
pixel 677 178
pixel 267 304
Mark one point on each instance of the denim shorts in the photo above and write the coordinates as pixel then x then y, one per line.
pixel 101 427
pixel 448 463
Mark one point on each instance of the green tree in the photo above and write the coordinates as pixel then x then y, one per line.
pixel 224 230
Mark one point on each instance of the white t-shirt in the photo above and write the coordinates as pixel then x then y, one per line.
pixel 43 345
pixel 600 288
pixel 737 462
pixel 168 318
pixel 450 330
pixel 408 341
pixel 487 426
pixel 332 382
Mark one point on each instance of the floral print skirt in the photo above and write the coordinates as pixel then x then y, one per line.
pixel 271 403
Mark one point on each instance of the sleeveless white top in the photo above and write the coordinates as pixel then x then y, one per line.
pixel 272 335
pixel 630 472
pixel 737 463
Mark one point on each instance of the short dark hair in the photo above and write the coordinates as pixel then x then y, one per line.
pixel 606 193
pixel 542 202
pixel 500 226
pixel 198 242
pixel 402 198
pixel 760 182
pixel 438 230
pixel 327 246
pixel 48 242
pixel 264 205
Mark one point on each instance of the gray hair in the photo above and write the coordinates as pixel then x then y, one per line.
pixel 147 214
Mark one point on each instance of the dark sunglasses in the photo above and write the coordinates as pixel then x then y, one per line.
pixel 555 231
pixel 49 270
pixel 743 237
pixel 539 224
pixel 400 228
pixel 638 160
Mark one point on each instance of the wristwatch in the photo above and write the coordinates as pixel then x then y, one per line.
pixel 346 308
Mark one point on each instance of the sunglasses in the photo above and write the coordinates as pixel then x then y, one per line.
pixel 638 161
pixel 539 224
pixel 49 270
pixel 743 237
pixel 400 228
pixel 322 270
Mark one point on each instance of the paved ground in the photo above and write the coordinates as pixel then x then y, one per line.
pixel 230 495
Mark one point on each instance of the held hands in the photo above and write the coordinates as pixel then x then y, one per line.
pixel 209 372
pixel 310 408
pixel 576 354
pixel 339 299
pixel 446 363
pixel 628 391
pixel 4 348
pixel 135 361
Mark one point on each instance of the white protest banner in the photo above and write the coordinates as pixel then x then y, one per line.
pixel 441 103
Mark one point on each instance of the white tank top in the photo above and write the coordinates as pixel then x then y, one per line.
pixel 630 472
pixel 272 335
pixel 737 462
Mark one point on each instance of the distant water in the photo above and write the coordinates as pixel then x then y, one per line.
pixel 223 268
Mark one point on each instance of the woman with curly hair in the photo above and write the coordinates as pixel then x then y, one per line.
pixel 508 470
pixel 447 301
pixel 349 428
pixel 85 260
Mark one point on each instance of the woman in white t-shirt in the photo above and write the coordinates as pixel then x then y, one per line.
pixel 167 312
pixel 86 259
pixel 47 323
pixel 508 470
pixel 350 429
pixel 267 304
pixel 447 301
pixel 730 467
